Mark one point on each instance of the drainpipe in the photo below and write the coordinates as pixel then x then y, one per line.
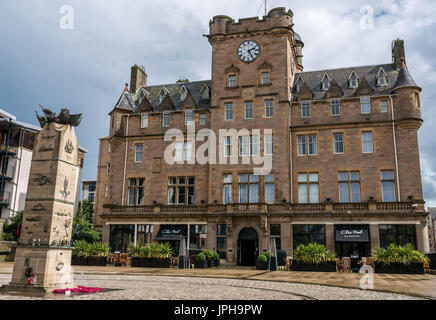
pixel 395 148
pixel 125 160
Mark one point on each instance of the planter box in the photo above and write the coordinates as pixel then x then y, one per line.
pixel 262 265
pixel 200 264
pixel 322 267
pixel 216 263
pixel 79 261
pixel 399 268
pixel 150 263
pixel 97 261
pixel 209 263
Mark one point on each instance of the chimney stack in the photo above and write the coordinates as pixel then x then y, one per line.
pixel 138 78
pixel 398 53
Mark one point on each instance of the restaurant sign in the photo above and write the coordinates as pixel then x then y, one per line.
pixel 351 233
pixel 171 232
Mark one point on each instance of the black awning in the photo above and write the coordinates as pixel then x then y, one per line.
pixel 171 232
pixel 352 233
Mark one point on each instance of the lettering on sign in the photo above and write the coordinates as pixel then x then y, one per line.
pixel 62 214
pixel 41 180
pixel 46 149
pixel 38 207
pixel 33 219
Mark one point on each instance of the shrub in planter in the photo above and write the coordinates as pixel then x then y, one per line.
pixel 262 262
pixel 313 257
pixel 201 261
pixel 151 256
pixel 80 253
pixel 209 257
pixel 216 259
pixel 398 259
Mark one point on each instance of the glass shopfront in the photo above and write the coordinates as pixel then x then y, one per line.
pixel 121 236
pixel 397 234
pixel 308 233
pixel 197 238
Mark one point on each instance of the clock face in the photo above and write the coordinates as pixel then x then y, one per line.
pixel 248 51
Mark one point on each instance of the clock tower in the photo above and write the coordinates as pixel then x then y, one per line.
pixel 253 63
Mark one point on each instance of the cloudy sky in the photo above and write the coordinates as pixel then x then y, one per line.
pixel 85 68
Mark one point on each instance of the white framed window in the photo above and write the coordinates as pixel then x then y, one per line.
pixel 381 78
pixel 349 187
pixel 269 144
pixel 270 188
pixel 228 111
pixel 166 119
pixel 388 186
pixel 244 146
pixel 188 117
pixel 162 95
pixel 254 145
pixel 232 80
pixel 335 107
pixel 109 148
pixel 227 188
pixel 188 150
pixel 305 109
pixel 202 118
pixel 144 120
pixel 248 188
pixel 136 192
pixel 228 146
pixel 307 145
pixel 353 81
pixel 108 168
pixel 325 83
pixel 367 144
pixel 139 148
pixel 178 151
pixel 299 85
pixel 248 110
pixel 338 143
pixel 181 190
pixel 365 105
pixel 106 190
pixel 384 106
pixel 308 188
pixel 183 94
pixel 205 95
pixel 269 108
pixel 265 77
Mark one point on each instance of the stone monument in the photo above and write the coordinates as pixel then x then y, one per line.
pixel 43 254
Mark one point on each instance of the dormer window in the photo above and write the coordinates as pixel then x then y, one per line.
pixel 205 93
pixel 381 78
pixel 299 84
pixel 353 80
pixel 162 95
pixel 325 82
pixel 183 94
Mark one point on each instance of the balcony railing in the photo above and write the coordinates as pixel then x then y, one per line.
pixel 261 208
pixel 5 199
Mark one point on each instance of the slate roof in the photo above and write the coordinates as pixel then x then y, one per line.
pixel 131 101
pixel 394 79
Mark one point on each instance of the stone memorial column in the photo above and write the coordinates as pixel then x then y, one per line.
pixel 43 254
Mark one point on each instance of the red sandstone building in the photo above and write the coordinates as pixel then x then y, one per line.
pixel 343 143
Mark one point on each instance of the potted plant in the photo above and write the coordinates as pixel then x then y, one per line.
pixel 98 253
pixel 313 257
pixel 399 260
pixel 80 253
pixel 209 257
pixel 216 259
pixel 151 256
pixel 262 262
pixel 200 261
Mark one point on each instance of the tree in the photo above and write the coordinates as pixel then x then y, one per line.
pixel 12 229
pixel 83 227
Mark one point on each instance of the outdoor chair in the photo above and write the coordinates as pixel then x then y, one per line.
pixel 346 264
pixel 123 259
pixel 426 267
pixel 110 260
pixel 339 265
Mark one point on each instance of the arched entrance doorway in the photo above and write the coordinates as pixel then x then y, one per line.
pixel 248 247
